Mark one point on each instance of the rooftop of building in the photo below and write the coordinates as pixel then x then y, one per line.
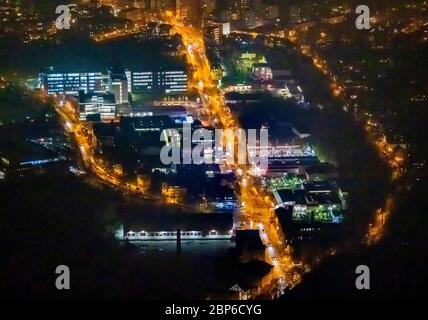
pixel 258 64
pixel 55 70
pixel 95 117
pixel 152 123
pixel 104 129
pixel 159 109
pixel 248 240
pixel 319 186
pixel 292 162
pixel 117 76
pixel 305 197
pixel 245 97
pixel 15 152
pixel 88 97
pixel 135 220
pixel 218 192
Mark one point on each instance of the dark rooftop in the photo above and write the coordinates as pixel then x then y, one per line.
pixel 18 152
pixel 104 129
pixel 248 240
pixel 87 97
pixel 157 123
pixel 136 220
pixel 322 168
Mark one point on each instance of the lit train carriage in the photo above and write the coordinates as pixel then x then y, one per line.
pixel 137 227
pixel 163 235
pixel 172 235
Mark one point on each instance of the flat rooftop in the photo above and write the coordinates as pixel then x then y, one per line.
pixel 22 152
pixel 135 220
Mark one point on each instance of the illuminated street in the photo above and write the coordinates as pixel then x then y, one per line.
pixel 93 163
pixel 286 272
pixel 258 206
pixel 213 150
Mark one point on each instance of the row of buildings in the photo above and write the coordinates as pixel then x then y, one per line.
pixel 100 94
pixel 184 9
pixel 137 135
pixel 121 82
pixel 305 190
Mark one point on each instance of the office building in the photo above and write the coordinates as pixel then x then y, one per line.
pixel 93 104
pixel 163 82
pixel 71 83
pixel 118 85
pixel 172 81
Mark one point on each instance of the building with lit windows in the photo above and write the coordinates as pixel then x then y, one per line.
pixel 140 81
pixel 93 104
pixel 185 9
pixel 172 81
pixel 71 83
pixel 118 85
pixel 164 82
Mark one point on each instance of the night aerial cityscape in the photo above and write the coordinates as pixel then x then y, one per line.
pixel 218 150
